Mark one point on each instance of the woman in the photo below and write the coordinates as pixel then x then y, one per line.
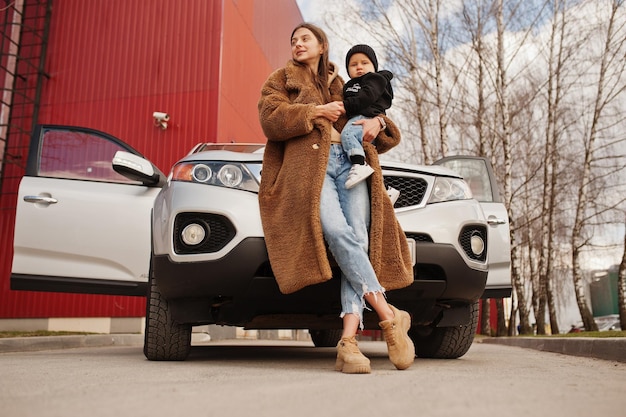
pixel 304 203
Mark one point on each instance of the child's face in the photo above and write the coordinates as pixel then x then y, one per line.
pixel 359 64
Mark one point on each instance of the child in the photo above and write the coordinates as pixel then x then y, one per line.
pixel 367 94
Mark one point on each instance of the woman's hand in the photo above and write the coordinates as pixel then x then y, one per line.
pixel 332 111
pixel 371 128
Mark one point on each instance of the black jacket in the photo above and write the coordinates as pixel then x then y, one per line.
pixel 368 95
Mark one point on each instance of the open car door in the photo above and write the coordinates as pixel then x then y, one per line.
pixel 80 226
pixel 479 175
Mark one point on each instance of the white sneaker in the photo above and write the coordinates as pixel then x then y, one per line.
pixel 357 174
pixel 393 195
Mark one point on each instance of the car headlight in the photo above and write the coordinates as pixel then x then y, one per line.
pixel 221 174
pixel 230 175
pixel 449 189
pixel 201 173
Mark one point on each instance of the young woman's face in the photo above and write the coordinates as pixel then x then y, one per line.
pixel 305 48
pixel 359 64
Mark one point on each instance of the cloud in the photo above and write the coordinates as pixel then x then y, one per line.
pixel 325 13
pixel 310 10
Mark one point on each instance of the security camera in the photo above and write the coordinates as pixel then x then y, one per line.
pixel 160 119
pixel 160 116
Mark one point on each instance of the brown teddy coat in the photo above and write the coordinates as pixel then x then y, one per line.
pixel 294 166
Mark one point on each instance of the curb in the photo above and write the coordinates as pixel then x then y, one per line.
pixel 611 349
pixel 32 344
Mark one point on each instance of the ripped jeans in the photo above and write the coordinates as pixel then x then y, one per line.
pixel 345 216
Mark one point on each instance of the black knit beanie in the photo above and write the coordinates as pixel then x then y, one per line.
pixel 364 49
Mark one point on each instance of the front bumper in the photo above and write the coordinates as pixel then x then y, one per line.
pixel 234 283
pixel 440 274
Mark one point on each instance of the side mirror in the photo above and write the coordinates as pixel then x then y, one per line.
pixel 135 168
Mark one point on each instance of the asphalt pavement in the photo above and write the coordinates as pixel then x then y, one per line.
pixel 612 349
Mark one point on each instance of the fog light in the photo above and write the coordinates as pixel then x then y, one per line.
pixel 477 244
pixel 193 234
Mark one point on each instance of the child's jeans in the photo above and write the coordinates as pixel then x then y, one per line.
pixel 352 137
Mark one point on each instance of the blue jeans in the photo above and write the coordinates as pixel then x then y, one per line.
pixel 345 216
pixel 352 137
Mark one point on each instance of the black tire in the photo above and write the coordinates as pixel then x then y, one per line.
pixel 445 342
pixel 166 340
pixel 326 337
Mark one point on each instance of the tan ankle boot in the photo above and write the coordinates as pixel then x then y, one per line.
pixel 400 346
pixel 350 360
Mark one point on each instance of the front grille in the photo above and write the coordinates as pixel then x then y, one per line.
pixel 219 230
pixel 412 190
pixel 465 240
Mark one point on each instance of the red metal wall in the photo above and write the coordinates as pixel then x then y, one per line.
pixel 112 63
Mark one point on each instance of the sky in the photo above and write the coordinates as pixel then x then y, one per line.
pixel 313 11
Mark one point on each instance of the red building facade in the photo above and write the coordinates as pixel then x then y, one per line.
pixel 108 65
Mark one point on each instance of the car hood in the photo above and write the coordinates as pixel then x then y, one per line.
pixel 221 155
pixel 435 170
pixel 257 157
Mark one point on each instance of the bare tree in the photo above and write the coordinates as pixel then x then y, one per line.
pixel 621 286
pixel 604 94
pixel 430 27
pixel 475 21
pixel 492 117
pixel 550 163
pixel 556 60
pixel 475 18
pixel 503 124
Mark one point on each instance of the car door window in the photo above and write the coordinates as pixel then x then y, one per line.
pixel 78 155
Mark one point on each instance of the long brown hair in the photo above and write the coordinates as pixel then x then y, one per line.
pixel 323 68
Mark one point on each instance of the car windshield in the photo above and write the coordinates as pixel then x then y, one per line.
pixel 233 147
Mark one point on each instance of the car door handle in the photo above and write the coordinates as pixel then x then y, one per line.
pixel 40 199
pixel 493 220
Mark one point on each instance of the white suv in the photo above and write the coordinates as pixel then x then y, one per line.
pixel 95 216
